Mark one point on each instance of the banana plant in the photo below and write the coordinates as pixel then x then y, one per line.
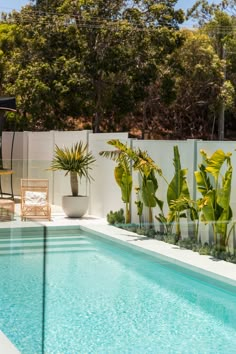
pixel 177 194
pixel 139 205
pixel 215 189
pixel 122 173
pixel 147 169
pixel 142 163
pixel 178 199
pixel 167 226
pixel 149 185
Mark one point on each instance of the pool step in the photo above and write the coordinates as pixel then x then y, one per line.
pixel 35 244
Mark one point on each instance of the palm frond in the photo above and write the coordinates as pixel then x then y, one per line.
pixel 74 159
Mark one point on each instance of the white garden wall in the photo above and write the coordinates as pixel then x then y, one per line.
pixel 17 163
pixel 33 151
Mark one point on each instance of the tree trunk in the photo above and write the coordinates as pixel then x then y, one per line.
pixel 98 113
pixel 127 214
pixel 144 120
pixel 221 121
pixel 150 217
pixel 74 183
pixel 221 116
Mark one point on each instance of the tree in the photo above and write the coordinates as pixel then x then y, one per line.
pixel 112 55
pixel 198 83
pixel 43 74
pixel 219 26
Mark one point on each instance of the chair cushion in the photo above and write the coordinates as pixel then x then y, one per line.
pixel 35 198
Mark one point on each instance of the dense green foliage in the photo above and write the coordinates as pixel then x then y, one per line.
pixel 121 65
pixel 213 181
pixel 216 190
pixel 116 217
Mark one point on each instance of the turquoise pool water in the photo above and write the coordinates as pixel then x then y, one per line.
pixel 103 298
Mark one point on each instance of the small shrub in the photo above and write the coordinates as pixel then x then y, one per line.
pixel 151 233
pixel 231 258
pixel 141 231
pixel 196 246
pixel 186 243
pixel 159 236
pixel 205 249
pixel 116 217
pixel 171 238
pixel 223 255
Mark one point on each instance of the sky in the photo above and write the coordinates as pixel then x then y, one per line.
pixel 186 4
pixel 8 5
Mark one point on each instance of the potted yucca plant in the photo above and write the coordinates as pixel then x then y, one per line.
pixel 77 162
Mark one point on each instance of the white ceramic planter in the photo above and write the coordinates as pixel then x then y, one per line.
pixel 75 207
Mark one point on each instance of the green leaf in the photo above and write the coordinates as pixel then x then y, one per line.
pixel 178 187
pixel 203 182
pixel 208 206
pixel 215 162
pixel 126 187
pixel 148 192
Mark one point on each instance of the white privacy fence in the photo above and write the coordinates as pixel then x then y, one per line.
pixel 33 152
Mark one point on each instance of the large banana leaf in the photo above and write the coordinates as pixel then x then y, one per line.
pixel 126 187
pixel 124 181
pixel 223 195
pixel 118 173
pixel 160 203
pixel 171 216
pixel 149 189
pixel 202 180
pixel 193 214
pixel 223 199
pixel 222 222
pixel 178 187
pixel 215 162
pixel 208 207
pixel 215 204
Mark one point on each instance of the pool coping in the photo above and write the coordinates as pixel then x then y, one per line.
pixel 6 346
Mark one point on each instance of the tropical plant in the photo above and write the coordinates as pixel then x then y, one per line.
pixel 177 193
pixel 122 173
pixel 116 217
pixel 178 199
pixel 147 170
pixel 141 162
pixel 215 189
pixel 139 205
pixel 76 161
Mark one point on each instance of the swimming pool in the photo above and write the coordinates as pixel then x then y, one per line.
pixel 101 297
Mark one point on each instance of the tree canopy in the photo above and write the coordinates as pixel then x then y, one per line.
pixel 120 65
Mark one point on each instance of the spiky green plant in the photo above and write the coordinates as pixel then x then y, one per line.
pixel 76 161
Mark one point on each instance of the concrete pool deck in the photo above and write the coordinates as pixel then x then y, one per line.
pixel 6 347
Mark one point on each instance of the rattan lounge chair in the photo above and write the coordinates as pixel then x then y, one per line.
pixel 34 199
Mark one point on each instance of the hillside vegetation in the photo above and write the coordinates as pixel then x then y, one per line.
pixel 121 66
